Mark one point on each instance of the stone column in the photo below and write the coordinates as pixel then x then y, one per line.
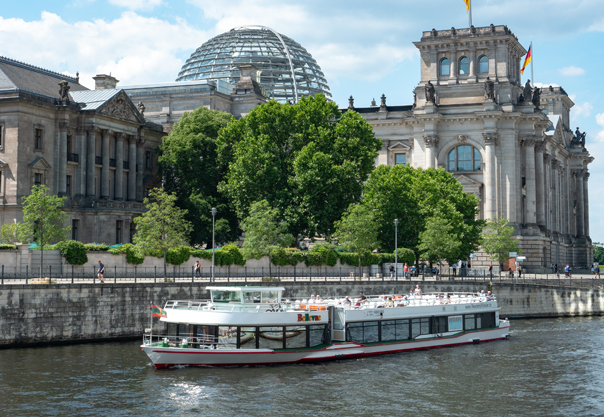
pixel 119 166
pixel 62 160
pixel 453 71
pixel 433 65
pixel 547 190
pixel 531 191
pixel 106 137
pixel 492 60
pixel 91 163
pixel 556 194
pixel 578 177
pixel 569 200
pixel 132 169
pixel 539 182
pixel 472 76
pixel 585 204
pixel 431 144
pixel 140 161
pixel 490 206
pixel 80 149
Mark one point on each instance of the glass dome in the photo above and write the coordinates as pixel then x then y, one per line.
pixel 281 60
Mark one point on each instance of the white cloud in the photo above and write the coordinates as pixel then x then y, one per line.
pixel 546 85
pixel 583 109
pixel 146 5
pixel 571 71
pixel 133 48
pixel 600 121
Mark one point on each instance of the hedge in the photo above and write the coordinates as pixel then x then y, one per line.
pixel 73 251
pixel 7 246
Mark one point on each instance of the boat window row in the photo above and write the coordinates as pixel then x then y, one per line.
pixel 232 337
pixel 409 329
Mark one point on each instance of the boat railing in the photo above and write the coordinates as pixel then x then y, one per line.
pixel 186 304
pixel 204 341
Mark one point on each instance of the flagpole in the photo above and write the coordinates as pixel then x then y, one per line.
pixel 532 54
pixel 151 328
pixel 470 13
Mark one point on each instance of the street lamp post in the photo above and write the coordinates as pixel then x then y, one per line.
pixel 214 211
pixel 396 249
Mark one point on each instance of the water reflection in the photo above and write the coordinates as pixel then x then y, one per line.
pixel 548 367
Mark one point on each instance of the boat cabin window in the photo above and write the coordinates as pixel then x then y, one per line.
pixel 264 297
pixel 270 296
pixel 439 324
pixel 479 321
pixel 219 296
pixel 250 297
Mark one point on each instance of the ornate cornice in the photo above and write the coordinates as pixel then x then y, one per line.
pixel 141 140
pixel 546 157
pixel 539 146
pixel 431 141
pixel 120 136
pixel 462 138
pixel 527 141
pixel 80 130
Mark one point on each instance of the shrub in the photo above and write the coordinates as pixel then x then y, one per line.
pixel 133 254
pixel 404 255
pixel 73 251
pixel 327 254
pixel 96 247
pixel 7 246
pixel 235 253
pixel 222 257
pixel 201 254
pixel 178 255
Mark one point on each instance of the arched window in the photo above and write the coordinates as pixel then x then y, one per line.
pixel 444 67
pixel 464 66
pixel 464 158
pixel 483 64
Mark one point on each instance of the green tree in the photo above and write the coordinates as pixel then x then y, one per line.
pixel 10 233
pixel 598 253
pixel 414 195
pixel 357 231
pixel 162 226
pixel 439 241
pixel 308 160
pixel 43 219
pixel 188 164
pixel 498 240
pixel 264 232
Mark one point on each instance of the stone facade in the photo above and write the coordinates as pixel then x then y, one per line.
pixel 509 144
pixel 94 147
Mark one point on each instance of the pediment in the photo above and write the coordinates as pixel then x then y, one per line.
pixel 399 146
pixel 39 163
pixel 121 107
pixel 467 181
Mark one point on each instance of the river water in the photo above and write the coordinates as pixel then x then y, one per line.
pixel 548 367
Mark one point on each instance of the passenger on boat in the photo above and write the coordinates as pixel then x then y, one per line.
pixel 439 298
pixel 362 297
pixel 347 301
pixel 382 302
pixel 418 291
pixel 447 299
pixel 490 296
pixel 411 294
pixel 482 296
pixel 318 299
pixel 312 299
pixel 390 303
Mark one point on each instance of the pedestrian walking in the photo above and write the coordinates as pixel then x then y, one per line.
pixel 491 271
pixel 197 269
pixel 597 271
pixel 406 270
pixel 454 269
pixel 391 271
pixel 101 273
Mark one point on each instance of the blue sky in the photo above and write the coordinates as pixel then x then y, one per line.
pixel 364 48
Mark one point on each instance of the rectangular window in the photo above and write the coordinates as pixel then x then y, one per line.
pixel 132 231
pixel 400 159
pixel 439 324
pixel 68 185
pixel 469 322
pixel 38 138
pixel 37 179
pixel 74 229
pixel 118 232
pixel 148 159
pixel 455 323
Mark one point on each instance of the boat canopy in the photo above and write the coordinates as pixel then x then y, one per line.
pixel 246 295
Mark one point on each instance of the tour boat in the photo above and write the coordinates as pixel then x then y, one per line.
pixel 249 326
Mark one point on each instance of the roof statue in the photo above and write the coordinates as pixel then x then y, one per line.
pixel 489 89
pixel 64 91
pixel 430 93
pixel 527 93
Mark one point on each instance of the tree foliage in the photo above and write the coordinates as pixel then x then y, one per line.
pixel 599 254
pixel 43 219
pixel 162 226
pixel 307 160
pixel 263 230
pixel 438 241
pixel 73 251
pixel 414 195
pixel 358 230
pixel 498 240
pixel 189 166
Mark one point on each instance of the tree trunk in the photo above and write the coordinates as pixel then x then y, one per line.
pixel 165 268
pixel 269 264
pixel 42 262
pixel 360 270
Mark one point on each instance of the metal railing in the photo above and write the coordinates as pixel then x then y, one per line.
pixel 65 274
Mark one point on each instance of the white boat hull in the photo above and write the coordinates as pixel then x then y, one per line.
pixel 163 357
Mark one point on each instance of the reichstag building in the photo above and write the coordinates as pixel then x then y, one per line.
pixel 508 143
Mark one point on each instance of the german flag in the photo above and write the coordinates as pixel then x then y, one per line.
pixel 467 2
pixel 158 312
pixel 527 60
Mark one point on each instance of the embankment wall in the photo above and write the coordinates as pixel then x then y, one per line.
pixel 40 314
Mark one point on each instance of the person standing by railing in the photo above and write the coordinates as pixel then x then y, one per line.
pixel 101 274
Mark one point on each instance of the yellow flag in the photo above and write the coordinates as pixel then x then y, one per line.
pixel 467 2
